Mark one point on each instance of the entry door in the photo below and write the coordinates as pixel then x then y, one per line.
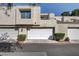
pixel 40 33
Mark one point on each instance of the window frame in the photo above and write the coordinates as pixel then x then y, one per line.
pixel 44 17
pixel 26 14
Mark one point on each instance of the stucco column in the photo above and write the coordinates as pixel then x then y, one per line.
pixel 35 14
pixel 22 31
pixel 62 28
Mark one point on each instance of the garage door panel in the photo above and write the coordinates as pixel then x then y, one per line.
pixel 73 34
pixel 39 33
pixel 11 32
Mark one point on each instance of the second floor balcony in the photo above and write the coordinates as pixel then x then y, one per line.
pixel 69 20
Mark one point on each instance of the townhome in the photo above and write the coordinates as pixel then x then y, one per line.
pixel 30 21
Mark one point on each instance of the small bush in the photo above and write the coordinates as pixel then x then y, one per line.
pixel 67 39
pixel 21 37
pixel 59 36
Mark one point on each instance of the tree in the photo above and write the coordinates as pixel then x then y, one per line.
pixel 9 5
pixel 65 13
pixel 75 12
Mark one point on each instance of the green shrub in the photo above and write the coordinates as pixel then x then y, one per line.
pixel 67 39
pixel 21 37
pixel 59 36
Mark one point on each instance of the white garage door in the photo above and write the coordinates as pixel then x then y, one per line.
pixel 73 34
pixel 39 33
pixel 11 32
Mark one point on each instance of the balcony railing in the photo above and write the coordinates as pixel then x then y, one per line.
pixel 71 21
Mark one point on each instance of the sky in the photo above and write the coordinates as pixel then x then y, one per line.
pixel 56 8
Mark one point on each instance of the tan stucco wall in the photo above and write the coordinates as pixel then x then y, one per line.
pixel 24 31
pixel 15 18
pixel 70 18
pixel 51 22
pixel 5 19
pixel 63 28
pixel 35 15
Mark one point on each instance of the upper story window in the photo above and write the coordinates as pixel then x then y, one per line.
pixel 25 14
pixel 44 17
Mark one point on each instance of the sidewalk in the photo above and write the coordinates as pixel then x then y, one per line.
pixel 40 41
pixel 50 41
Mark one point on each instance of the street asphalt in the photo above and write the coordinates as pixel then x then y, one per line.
pixel 51 49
